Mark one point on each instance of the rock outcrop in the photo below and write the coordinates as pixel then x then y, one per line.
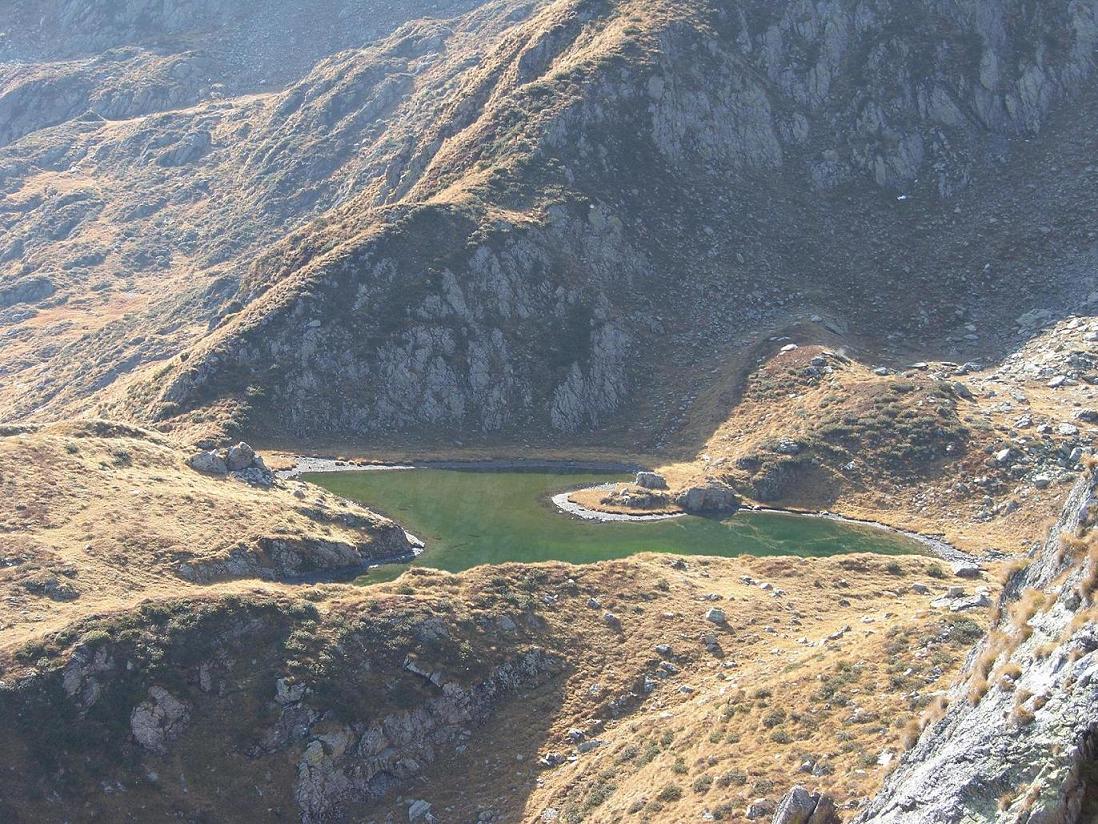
pixel 297 559
pixel 1018 740
pixel 360 763
pixel 158 721
pixel 239 461
pixel 711 497
pixel 243 682
pixel 803 807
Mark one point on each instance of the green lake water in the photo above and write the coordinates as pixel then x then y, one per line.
pixel 468 518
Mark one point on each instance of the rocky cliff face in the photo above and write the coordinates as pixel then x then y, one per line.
pixel 1018 742
pixel 527 218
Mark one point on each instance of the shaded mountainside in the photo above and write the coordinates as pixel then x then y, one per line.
pixel 227 47
pixel 531 217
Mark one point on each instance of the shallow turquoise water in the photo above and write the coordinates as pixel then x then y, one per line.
pixel 470 518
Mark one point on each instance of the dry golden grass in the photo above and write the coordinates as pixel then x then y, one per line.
pixel 781 694
pixel 98 516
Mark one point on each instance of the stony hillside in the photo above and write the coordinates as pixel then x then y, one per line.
pixel 646 690
pixel 821 253
pixel 982 455
pixel 1018 742
pixel 97 517
pixel 531 216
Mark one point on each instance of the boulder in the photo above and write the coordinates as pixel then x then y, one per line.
pixel 240 457
pixel 651 480
pixel 713 496
pixel 796 808
pixel 826 812
pixel 758 808
pixel 208 463
pixel 158 720
pixel 802 807
pixel 965 570
pixel 716 616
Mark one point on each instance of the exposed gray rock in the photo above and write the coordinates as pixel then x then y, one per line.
pixel 288 559
pixel 361 762
pixel 758 808
pixel 963 570
pixel 158 720
pixel 240 457
pixel 208 463
pixel 796 808
pixel 803 807
pixel 420 810
pixel 30 289
pixel 651 480
pixel 713 496
pixel 1025 747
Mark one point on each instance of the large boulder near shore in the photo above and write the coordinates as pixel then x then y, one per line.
pixel 651 480
pixel 713 496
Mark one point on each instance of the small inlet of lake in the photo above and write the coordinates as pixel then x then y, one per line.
pixel 469 518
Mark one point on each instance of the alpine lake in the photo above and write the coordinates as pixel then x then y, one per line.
pixel 468 518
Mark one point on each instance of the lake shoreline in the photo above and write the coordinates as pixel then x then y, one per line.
pixel 309 465
pixel 313 465
pixel 939 547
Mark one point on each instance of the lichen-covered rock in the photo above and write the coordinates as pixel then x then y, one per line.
pixel 287 559
pixel 363 762
pixel 240 457
pixel 651 480
pixel 208 463
pixel 712 496
pixel 803 807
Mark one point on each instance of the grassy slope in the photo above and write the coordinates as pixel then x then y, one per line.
pixel 96 517
pixel 777 695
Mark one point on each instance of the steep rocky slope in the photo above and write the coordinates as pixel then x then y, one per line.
pixel 1018 742
pixel 533 216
